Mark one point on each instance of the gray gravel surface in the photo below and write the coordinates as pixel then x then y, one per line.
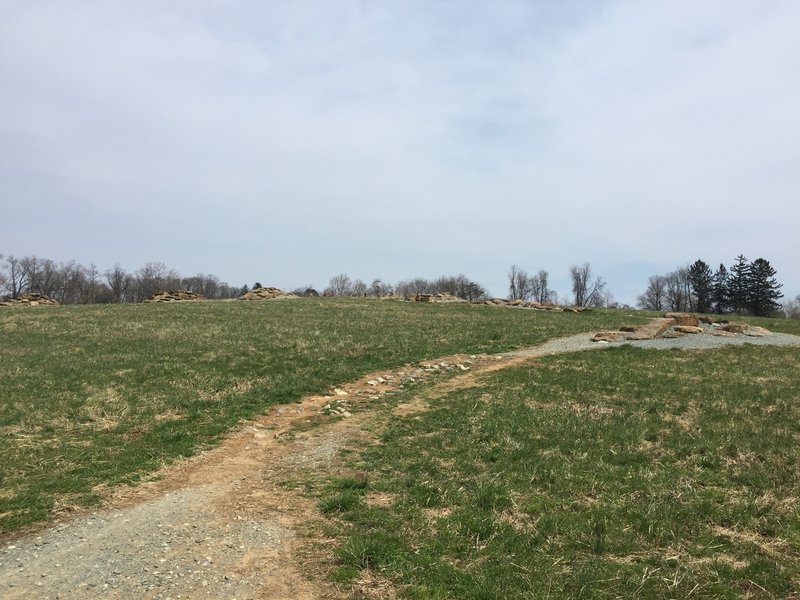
pixel 160 549
pixel 582 341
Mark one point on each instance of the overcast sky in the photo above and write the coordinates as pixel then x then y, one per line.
pixel 286 142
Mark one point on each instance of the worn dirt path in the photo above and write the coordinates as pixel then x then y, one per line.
pixel 224 524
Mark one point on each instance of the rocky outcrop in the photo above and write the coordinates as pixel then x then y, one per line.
pixel 688 329
pixel 751 330
pixel 175 296
pixel 609 336
pixel 684 319
pixel 651 330
pixel 266 293
pixel 30 300
pixel 531 304
pixel 444 298
pixel 674 325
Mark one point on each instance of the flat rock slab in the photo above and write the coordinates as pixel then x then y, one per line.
pixel 751 330
pixel 651 330
pixel 609 336
pixel 688 329
pixel 684 319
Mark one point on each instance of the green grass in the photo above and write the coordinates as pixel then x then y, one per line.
pixel 623 473
pixel 100 395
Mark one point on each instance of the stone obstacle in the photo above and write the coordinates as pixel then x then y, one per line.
pixel 266 293
pixel 534 305
pixel 175 296
pixel 444 298
pixel 30 300
pixel 674 325
pixel 447 298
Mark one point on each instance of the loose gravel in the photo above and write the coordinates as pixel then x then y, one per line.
pixel 704 341
pixel 166 548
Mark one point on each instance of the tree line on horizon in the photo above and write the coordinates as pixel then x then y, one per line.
pixel 746 288
pixel 73 283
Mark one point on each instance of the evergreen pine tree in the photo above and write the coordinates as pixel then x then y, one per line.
pixel 738 285
pixel 701 280
pixel 719 292
pixel 763 289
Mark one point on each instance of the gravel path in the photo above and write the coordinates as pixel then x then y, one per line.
pixel 170 547
pixel 582 341
pixel 219 525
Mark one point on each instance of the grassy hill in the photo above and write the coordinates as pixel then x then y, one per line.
pixel 104 394
pixel 622 473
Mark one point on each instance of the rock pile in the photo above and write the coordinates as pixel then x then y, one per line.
pixel 444 298
pixel 534 305
pixel 674 325
pixel 30 300
pixel 175 296
pixel 265 293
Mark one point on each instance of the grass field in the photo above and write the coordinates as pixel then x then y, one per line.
pixel 625 473
pixel 93 395
pixel 621 473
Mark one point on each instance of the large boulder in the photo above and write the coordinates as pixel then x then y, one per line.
pixel 609 336
pixel 688 329
pixel 685 319
pixel 751 330
pixel 31 299
pixel 651 330
pixel 175 296
pixel 265 293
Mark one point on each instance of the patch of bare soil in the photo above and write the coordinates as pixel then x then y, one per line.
pixel 227 523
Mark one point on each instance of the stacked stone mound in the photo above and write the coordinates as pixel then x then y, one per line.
pixel 674 325
pixel 30 300
pixel 175 296
pixel 266 293
pixel 444 298
pixel 534 305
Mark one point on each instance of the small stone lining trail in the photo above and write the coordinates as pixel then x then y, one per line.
pixel 223 524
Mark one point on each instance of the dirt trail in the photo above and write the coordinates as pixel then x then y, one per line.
pixel 222 524
pixel 218 525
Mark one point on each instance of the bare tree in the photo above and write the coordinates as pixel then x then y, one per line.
pixel 540 291
pixel 89 284
pixel 460 286
pixel 654 297
pixel 409 287
pixel 519 284
pixel 340 285
pixel 72 283
pixel 359 288
pixel 792 308
pixel 153 277
pixel 16 276
pixel 43 276
pixel 119 281
pixel 378 288
pixel 678 290
pixel 207 285
pixel 587 291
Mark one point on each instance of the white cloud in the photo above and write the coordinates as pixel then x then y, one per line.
pixel 392 139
